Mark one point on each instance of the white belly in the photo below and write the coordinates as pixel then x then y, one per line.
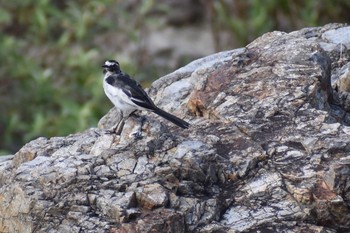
pixel 124 104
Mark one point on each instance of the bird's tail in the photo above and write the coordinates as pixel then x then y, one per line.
pixel 177 121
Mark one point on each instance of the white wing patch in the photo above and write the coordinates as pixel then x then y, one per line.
pixel 138 100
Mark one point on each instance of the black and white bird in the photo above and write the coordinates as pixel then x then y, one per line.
pixel 128 96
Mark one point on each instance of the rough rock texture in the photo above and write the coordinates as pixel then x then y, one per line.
pixel 267 150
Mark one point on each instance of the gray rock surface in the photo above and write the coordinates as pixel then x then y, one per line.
pixel 267 150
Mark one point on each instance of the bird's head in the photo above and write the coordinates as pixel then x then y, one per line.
pixel 111 66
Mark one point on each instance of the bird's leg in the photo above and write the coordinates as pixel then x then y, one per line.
pixel 117 128
pixel 138 133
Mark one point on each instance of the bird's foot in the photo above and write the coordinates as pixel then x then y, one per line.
pixel 117 129
pixel 109 131
pixel 138 133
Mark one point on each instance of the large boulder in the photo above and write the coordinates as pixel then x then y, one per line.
pixel 267 150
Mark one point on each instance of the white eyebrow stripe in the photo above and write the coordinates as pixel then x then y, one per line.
pixel 108 63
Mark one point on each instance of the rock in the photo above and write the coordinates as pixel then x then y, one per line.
pixel 267 151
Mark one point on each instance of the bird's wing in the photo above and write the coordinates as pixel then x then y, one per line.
pixel 132 89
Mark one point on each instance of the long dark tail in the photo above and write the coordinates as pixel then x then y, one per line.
pixel 177 121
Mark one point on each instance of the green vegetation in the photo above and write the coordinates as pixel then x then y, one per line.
pixel 48 85
pixel 246 20
pixel 50 51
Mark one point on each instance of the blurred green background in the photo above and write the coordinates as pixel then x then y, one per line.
pixel 51 50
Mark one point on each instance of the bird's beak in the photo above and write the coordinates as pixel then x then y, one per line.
pixel 104 66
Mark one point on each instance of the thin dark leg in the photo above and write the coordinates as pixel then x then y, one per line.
pixel 117 128
pixel 138 133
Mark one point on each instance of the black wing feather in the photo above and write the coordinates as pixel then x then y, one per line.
pixel 132 89
pixel 138 96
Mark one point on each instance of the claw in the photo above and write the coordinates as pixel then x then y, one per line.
pixel 137 134
pixel 109 131
pixel 117 129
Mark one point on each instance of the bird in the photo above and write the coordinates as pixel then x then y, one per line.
pixel 127 95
